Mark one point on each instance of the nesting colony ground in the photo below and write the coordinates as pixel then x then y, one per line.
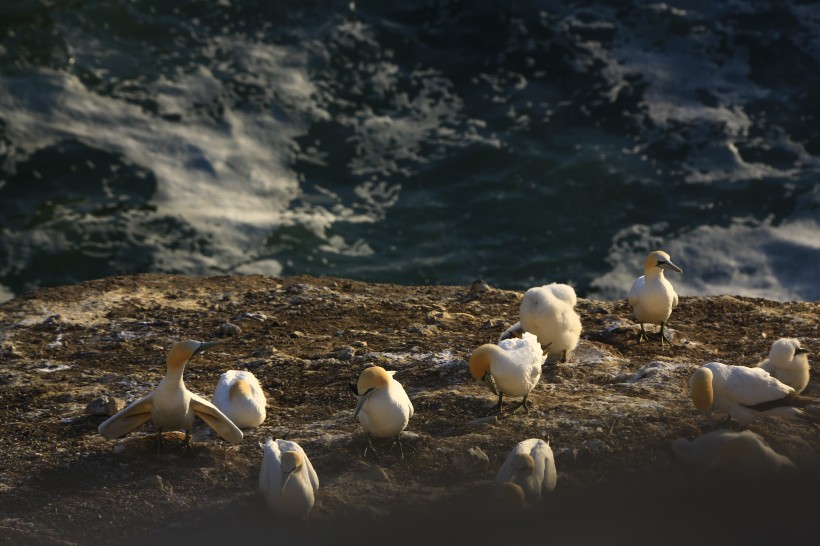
pixel 610 414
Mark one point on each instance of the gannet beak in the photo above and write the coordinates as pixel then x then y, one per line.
pixel 801 351
pixel 362 399
pixel 666 264
pixel 285 479
pixel 488 378
pixel 204 345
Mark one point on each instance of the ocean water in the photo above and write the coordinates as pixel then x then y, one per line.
pixel 413 142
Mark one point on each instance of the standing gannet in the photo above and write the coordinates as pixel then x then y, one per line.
pixel 789 363
pixel 548 312
pixel 652 296
pixel 531 466
pixel 383 408
pixel 239 396
pixel 171 406
pixel 287 479
pixel 512 367
pixel 745 393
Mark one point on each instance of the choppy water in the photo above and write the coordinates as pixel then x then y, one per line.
pixel 412 142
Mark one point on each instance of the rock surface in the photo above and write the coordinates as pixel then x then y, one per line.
pixel 611 413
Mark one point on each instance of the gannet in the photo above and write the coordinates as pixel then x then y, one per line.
pixel 531 466
pixel 652 296
pixel 287 479
pixel 548 312
pixel 239 396
pixel 723 449
pixel 512 367
pixel 789 363
pixel 383 408
pixel 171 406
pixel 508 496
pixel 745 393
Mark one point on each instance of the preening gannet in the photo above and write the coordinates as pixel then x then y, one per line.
pixel 383 408
pixel 531 466
pixel 789 363
pixel 239 396
pixel 287 479
pixel 745 393
pixel 508 496
pixel 724 450
pixel 548 312
pixel 171 406
pixel 652 296
pixel 512 367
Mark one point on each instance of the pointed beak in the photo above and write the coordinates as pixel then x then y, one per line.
pixel 490 381
pixel 801 351
pixel 669 265
pixel 204 345
pixel 285 479
pixel 362 399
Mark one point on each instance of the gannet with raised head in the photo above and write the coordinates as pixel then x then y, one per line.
pixel 745 393
pixel 512 367
pixel 724 449
pixel 383 408
pixel 287 479
pixel 789 363
pixel 548 312
pixel 171 406
pixel 531 466
pixel 239 396
pixel 652 297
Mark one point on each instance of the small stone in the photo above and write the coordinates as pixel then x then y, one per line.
pixel 104 405
pixel 479 286
pixel 297 333
pixel 345 353
pixel 373 474
pixel 472 461
pixel 228 329
pixel 152 482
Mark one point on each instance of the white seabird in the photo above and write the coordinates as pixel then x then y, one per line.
pixel 727 450
pixel 512 367
pixel 789 363
pixel 239 396
pixel 287 479
pixel 383 409
pixel 548 312
pixel 745 393
pixel 652 297
pixel 531 466
pixel 171 406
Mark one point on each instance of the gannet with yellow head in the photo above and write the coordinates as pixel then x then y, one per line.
pixel 531 466
pixel 287 479
pixel 548 312
pixel 171 406
pixel 383 408
pixel 789 363
pixel 745 393
pixel 652 297
pixel 239 396
pixel 512 367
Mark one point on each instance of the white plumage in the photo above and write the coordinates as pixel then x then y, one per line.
pixel 789 363
pixel 722 450
pixel 512 367
pixel 171 406
pixel 287 479
pixel 240 397
pixel 652 297
pixel 548 312
pixel 531 466
pixel 745 393
pixel 383 409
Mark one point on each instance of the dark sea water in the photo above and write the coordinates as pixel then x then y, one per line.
pixel 413 142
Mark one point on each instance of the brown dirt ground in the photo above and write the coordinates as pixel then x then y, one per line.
pixel 307 339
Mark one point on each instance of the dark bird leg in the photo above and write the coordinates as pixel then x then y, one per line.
pixel 497 407
pixel 642 336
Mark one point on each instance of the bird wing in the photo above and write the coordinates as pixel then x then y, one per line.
pixel 633 294
pixel 215 419
pixel 674 298
pixel 128 418
pixel 753 386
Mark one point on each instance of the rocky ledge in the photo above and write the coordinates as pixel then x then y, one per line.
pixel 69 356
